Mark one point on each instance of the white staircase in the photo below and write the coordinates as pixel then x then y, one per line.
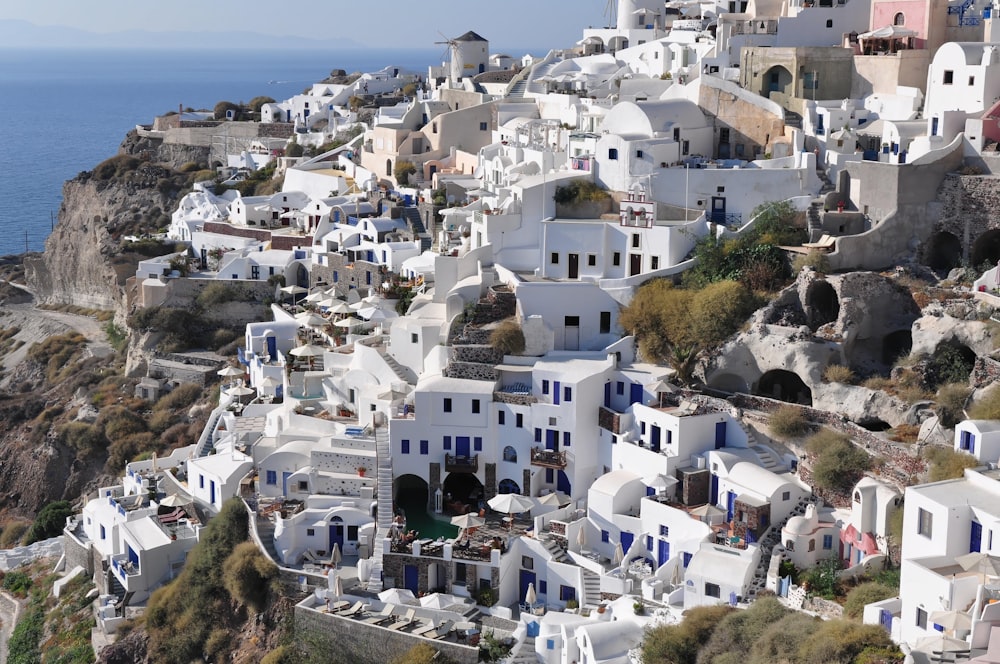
pixel 553 546
pixel 591 590
pixel 526 652
pixel 384 515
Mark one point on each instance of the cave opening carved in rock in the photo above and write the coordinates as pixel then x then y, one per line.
pixel 784 386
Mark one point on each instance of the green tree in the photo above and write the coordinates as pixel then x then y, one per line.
pixel 865 594
pixel 223 108
pixel 50 521
pixel 838 464
pixel 259 101
pixel 403 170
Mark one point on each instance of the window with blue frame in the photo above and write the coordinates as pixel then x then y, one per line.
pixel 201 481
pixel 271 477
pixel 500 417
pixel 538 435
pixel 649 542
pixel 620 388
pixel 477 444
pixel 545 387
pixel 550 644
pixel 404 446
pixel 424 447
pixel 605 536
pixel 104 533
pixel 447 404
pixel 567 394
pixel 664 531
pixel 567 593
pixel 687 559
pixel 543 587
pixel 827 542
pixel 566 439
pixel 446 442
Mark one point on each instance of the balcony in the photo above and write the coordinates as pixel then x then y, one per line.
pixel 461 464
pixel 548 458
pixel 609 420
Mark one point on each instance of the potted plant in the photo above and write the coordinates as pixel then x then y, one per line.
pixel 361 471
pixel 572 604
pixel 639 607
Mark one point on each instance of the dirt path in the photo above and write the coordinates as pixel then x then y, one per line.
pixel 10 609
pixel 35 325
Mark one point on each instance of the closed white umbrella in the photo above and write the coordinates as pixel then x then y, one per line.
pixel 335 555
pixel 581 537
pixel 338 585
pixel 530 597
pixel 618 556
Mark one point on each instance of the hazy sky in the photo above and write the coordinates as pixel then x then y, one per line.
pixel 385 23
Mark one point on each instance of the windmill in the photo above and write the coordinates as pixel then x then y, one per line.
pixel 609 11
pixel 450 50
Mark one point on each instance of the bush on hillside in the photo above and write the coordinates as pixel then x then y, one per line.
pixel 945 463
pixel 987 406
pixel 737 632
pixel 507 337
pixel 864 594
pixel 838 464
pixel 838 373
pixel 248 575
pixel 817 260
pixel 50 521
pixel 13 533
pixel 181 396
pixel 788 422
pixel 950 404
pixel 403 170
pixel 679 644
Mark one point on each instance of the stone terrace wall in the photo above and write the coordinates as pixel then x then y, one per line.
pixel 970 206
pixel 354 641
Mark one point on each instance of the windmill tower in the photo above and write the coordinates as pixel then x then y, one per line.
pixel 638 14
pixel 469 55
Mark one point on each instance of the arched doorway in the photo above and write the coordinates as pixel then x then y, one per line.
pixel 951 362
pixel 986 249
pixel 896 345
pixel 784 386
pixel 777 79
pixel 508 486
pixel 822 304
pixel 463 493
pixel 411 494
pixel 942 251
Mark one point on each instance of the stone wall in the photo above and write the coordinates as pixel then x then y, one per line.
pixel 78 554
pixel 350 276
pixel 476 353
pixel 393 564
pixel 751 126
pixel 471 371
pixel 970 206
pixel 986 371
pixel 360 643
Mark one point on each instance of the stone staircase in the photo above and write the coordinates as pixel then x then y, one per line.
pixel 554 547
pixel 518 89
pixel 591 590
pixel 265 531
pixel 525 652
pixel 768 459
pixel 772 537
pixel 815 211
pixel 404 373
pixel 412 217
pixel 384 515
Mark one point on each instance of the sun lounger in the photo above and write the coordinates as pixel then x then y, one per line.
pixel 423 629
pixel 405 621
pixel 825 242
pixel 358 607
pixel 442 631
pixel 339 605
pixel 384 615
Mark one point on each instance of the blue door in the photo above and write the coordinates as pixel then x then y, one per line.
pixel 336 536
pixel 976 537
pixel 272 348
pixel 527 577
pixel 627 539
pixel 284 483
pixel 713 497
pixel 730 502
pixel 663 554
pixel 607 395
pixel 654 438
pixel 133 557
pixel 411 578
pixel 635 393
pixel 556 392
pixel 462 446
pixel 720 435
pixel 211 492
pixel 562 483
pixel 551 439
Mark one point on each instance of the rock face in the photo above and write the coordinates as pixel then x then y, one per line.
pixel 77 266
pixel 859 320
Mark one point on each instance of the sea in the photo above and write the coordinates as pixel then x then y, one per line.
pixel 68 110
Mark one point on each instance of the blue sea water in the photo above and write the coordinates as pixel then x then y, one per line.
pixel 65 111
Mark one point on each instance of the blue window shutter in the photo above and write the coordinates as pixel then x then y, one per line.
pixel 404 446
pixel 477 444
pixel 424 447
pixel 446 442
pixel 566 439
pixel 538 435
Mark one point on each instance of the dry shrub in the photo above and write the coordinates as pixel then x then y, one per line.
pixel 905 433
pixel 788 422
pixel 838 373
pixel 878 383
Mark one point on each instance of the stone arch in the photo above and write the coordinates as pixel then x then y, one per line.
pixel 942 251
pixel 822 304
pixel 777 79
pixel 986 248
pixel 411 494
pixel 465 488
pixel 784 386
pixel 508 486
pixel 896 345
pixel 510 454
pixel 728 382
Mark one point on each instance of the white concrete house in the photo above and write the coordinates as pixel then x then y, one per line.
pixel 962 82
pixel 719 575
pixel 810 538
pixel 980 438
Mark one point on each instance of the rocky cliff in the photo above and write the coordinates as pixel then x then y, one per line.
pixel 129 194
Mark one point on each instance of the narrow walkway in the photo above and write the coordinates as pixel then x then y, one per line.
pixel 10 611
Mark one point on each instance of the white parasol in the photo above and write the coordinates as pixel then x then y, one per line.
pixel 307 350
pixel 952 620
pixel 512 503
pixel 173 500
pixel 240 391
pixel 230 372
pixel 398 596
pixel 466 521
